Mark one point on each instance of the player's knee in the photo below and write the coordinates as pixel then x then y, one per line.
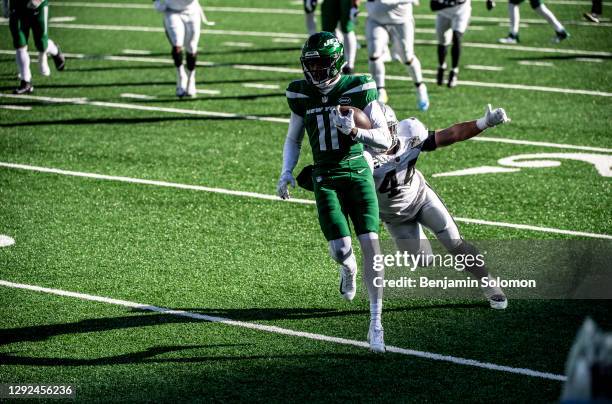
pixel 191 61
pixel 409 60
pixel 535 3
pixel 177 55
pixel 457 37
pixel 340 249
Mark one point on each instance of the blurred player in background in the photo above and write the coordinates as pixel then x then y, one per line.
pixel 452 19
pixel 182 20
pixel 343 12
pixel 342 179
pixel 542 10
pixel 25 16
pixel 310 7
pixel 393 19
pixel 406 200
pixel 596 10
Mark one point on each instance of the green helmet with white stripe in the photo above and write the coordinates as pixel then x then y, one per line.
pixel 322 58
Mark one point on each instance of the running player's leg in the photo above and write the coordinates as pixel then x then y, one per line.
pixel 309 16
pixel 459 25
pixel 364 215
pixel 409 237
pixel 444 35
pixel 515 18
pixel 347 26
pixel 175 32
pixel 20 29
pixel 378 39
pixel 435 216
pixel 192 23
pixel 403 36
pixel 543 11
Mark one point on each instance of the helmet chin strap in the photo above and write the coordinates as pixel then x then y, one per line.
pixel 327 86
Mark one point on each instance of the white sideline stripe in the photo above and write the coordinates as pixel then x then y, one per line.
pixel 62 19
pixel 514 86
pixel 272 197
pixel 589 60
pixel 209 92
pixel 16 107
pixel 136 52
pixel 284 331
pixel 532 63
pixel 303 37
pixel 238 44
pixel 488 68
pixel 287 40
pixel 85 101
pixel 261 86
pixel 138 96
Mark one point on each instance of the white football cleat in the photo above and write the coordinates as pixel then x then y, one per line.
pixel 348 283
pixel 191 84
pixel 382 95
pixel 496 297
pixel 376 338
pixel 422 97
pixel 43 64
pixel 181 81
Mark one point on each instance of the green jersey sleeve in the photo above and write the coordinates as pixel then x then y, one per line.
pixel 297 97
pixel 361 90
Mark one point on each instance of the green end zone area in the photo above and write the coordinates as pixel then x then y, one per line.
pixel 265 261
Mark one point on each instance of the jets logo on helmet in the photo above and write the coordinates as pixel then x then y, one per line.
pixel 322 58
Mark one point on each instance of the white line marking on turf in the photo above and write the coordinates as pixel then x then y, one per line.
pixel 16 107
pixel 138 96
pixel 284 331
pixel 270 197
pixel 478 170
pixel 136 52
pixel 62 19
pixel 85 101
pixel 287 40
pixel 481 67
pixel 6 241
pixel 532 63
pixel 303 38
pixel 589 60
pixel 262 86
pixel 238 44
pixel 209 92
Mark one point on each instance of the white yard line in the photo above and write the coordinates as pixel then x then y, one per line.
pixel 261 86
pixel 136 52
pixel 303 37
pixel 208 92
pixel 273 197
pixel 238 44
pixel 284 331
pixel 138 96
pixel 589 60
pixel 298 11
pixel 85 101
pixel 486 68
pixel 533 63
pixel 16 107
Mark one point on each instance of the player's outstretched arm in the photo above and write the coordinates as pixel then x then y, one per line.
pixel 291 155
pixel 466 130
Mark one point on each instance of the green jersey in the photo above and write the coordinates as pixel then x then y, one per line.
pixel 329 147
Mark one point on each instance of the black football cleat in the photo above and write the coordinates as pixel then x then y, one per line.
pixel 591 17
pixel 561 36
pixel 452 79
pixel 25 87
pixel 440 75
pixel 59 60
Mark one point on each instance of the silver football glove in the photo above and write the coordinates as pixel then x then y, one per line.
pixel 344 123
pixel 282 189
pixel 492 118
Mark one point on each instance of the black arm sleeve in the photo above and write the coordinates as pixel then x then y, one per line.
pixel 430 143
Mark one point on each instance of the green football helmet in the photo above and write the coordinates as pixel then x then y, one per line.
pixel 322 58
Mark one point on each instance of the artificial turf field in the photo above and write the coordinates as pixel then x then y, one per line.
pixel 262 261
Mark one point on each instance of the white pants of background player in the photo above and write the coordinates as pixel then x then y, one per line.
pixel 183 31
pixel 451 19
pixel 378 33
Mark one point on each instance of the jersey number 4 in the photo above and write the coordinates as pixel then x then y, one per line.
pixel 390 184
pixel 324 134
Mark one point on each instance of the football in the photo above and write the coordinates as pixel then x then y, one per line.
pixel 361 119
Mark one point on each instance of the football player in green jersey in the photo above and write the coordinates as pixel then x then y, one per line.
pixel 343 183
pixel 342 13
pixel 25 16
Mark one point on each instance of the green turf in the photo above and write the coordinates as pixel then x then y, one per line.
pixel 265 261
